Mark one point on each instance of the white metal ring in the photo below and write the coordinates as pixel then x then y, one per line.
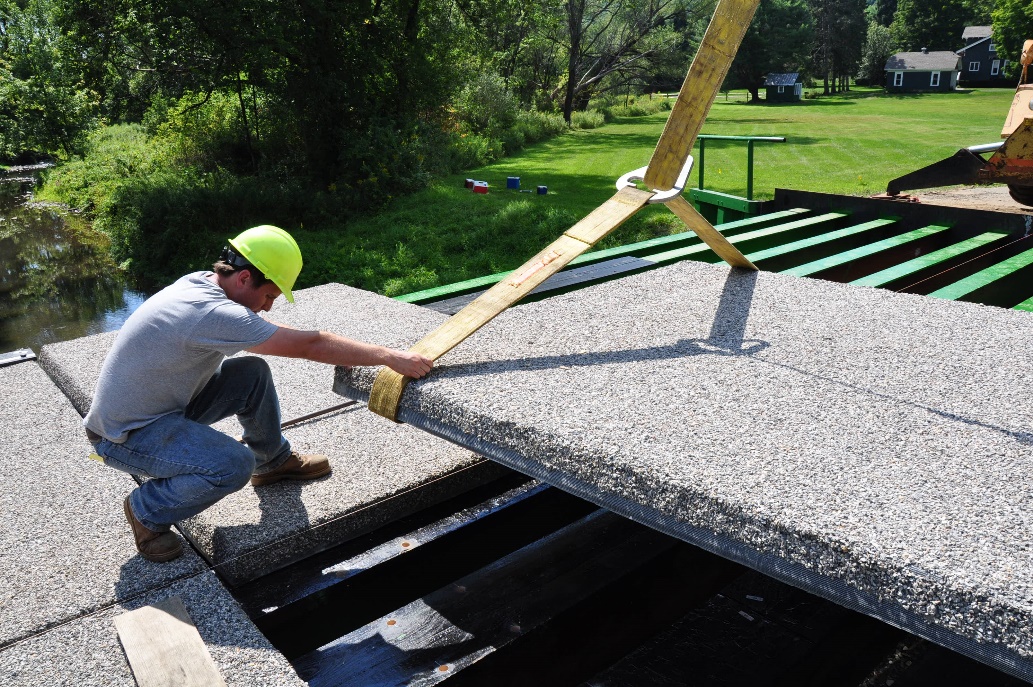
pixel 639 174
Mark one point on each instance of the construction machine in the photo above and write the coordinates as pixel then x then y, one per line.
pixel 1010 162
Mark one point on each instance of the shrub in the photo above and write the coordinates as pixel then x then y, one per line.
pixel 174 221
pixel 638 107
pixel 112 154
pixel 538 126
pixel 589 119
pixel 486 106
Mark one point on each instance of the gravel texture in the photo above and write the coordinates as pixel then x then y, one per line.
pixel 382 471
pixel 86 652
pixel 870 446
pixel 65 546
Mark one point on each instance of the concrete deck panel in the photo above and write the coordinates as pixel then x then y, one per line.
pixel 65 547
pixel 86 652
pixel 871 447
pixel 381 471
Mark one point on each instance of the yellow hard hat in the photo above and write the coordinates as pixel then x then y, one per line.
pixel 274 252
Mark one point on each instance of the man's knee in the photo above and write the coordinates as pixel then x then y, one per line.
pixel 236 468
pixel 249 366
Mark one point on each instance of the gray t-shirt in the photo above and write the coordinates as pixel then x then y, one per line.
pixel 167 351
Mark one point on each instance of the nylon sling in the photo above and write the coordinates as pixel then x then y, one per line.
pixel 667 170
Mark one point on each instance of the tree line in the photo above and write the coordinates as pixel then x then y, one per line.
pixel 322 78
pixel 175 115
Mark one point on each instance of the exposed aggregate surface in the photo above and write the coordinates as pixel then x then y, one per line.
pixel 65 546
pixel 86 651
pixel 382 471
pixel 69 564
pixel 879 440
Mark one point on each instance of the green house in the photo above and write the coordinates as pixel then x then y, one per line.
pixel 783 88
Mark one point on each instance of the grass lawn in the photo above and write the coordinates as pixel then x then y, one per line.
pixel 849 144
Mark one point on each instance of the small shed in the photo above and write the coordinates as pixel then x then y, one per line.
pixel 783 88
pixel 980 63
pixel 923 71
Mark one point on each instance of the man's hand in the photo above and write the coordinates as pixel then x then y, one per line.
pixel 410 364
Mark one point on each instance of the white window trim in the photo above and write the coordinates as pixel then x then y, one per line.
pixel 995 68
pixel 973 66
pixel 898 78
pixel 934 79
pixel 781 89
pixel 992 48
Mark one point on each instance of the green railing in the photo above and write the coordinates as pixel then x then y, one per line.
pixel 749 140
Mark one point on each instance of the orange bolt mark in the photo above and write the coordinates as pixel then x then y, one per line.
pixel 405 544
pixel 392 622
pixel 443 669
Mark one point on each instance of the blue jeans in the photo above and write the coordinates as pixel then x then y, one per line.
pixel 191 465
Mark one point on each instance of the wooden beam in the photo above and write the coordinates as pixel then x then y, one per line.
pixel 164 648
pixel 708 70
pixel 389 385
pixel 710 236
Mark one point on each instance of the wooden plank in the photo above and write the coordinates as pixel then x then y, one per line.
pixel 707 72
pixel 708 234
pixel 863 251
pixel 812 241
pixel 389 385
pixel 164 648
pixel 914 265
pixel 366 595
pixel 433 638
pixel 964 287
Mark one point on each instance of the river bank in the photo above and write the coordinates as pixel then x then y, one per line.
pixel 57 281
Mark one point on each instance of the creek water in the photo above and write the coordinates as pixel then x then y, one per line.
pixel 57 280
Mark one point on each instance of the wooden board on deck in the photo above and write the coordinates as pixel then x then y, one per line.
pixel 164 648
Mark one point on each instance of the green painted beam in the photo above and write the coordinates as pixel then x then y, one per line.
pixel 723 200
pixel 1026 305
pixel 863 251
pixel 960 289
pixel 638 249
pixel 818 240
pixel 683 253
pixel 889 274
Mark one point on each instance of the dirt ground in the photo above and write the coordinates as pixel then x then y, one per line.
pixel 993 198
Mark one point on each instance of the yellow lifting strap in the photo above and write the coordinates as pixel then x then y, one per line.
pixel 667 170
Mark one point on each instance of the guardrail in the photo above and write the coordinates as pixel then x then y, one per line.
pixel 749 140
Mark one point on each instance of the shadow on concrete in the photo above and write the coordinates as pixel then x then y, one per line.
pixel 727 338
pixel 282 533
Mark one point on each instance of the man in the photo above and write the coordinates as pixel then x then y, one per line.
pixel 167 378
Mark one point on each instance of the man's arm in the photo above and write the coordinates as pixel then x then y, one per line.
pixel 324 347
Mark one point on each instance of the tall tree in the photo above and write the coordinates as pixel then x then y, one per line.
pixel 934 24
pixel 838 39
pixel 1013 25
pixel 884 11
pixel 778 40
pixel 348 79
pixel 850 27
pixel 610 37
pixel 44 108
pixel 878 47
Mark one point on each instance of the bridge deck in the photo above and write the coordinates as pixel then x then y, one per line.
pixel 871 447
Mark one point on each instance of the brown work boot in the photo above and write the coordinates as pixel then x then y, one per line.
pixel 298 466
pixel 154 546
